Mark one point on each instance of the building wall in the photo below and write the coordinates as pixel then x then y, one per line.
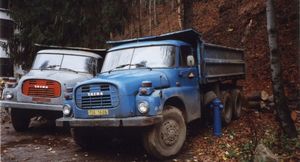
pixel 6 31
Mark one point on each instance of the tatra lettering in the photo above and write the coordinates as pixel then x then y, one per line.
pixel 41 86
pixel 95 93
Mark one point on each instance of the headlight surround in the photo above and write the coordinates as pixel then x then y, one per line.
pixel 143 107
pixel 9 96
pixel 67 109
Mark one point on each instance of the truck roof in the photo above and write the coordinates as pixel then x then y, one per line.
pixel 149 43
pixel 70 52
pixel 189 35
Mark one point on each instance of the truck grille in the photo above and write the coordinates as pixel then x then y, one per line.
pixel 41 88
pixel 97 96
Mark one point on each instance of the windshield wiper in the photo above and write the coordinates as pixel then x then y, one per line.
pixel 136 65
pixel 142 65
pixel 121 66
pixel 68 70
pixel 49 67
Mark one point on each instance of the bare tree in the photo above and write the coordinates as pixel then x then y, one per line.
pixel 150 17
pixel 281 106
pixel 167 19
pixel 172 5
pixel 154 12
pixel 140 17
pixel 180 13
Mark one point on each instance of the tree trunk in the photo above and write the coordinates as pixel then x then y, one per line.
pixel 167 19
pixel 180 12
pixel 154 12
pixel 259 95
pixel 140 16
pixel 172 5
pixel 150 18
pixel 281 106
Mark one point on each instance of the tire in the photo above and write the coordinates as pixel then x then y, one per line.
pixel 166 138
pixel 237 103
pixel 20 119
pixel 83 137
pixel 209 97
pixel 228 108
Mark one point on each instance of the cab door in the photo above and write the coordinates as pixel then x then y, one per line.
pixel 189 80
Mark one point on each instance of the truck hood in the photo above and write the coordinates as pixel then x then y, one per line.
pixel 130 80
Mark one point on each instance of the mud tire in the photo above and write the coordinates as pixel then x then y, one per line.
pixel 228 108
pixel 83 138
pixel 237 103
pixel 20 119
pixel 165 139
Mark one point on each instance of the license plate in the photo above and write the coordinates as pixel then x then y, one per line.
pixel 41 100
pixel 98 112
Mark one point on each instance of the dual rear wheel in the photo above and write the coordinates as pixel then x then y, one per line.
pixel 232 103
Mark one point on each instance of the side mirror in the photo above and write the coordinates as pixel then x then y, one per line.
pixel 190 60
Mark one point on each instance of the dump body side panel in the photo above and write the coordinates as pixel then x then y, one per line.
pixel 222 63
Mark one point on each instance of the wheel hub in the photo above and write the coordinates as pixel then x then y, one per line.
pixel 169 132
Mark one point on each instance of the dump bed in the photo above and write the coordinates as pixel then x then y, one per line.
pixel 222 63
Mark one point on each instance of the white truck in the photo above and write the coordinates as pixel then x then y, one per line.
pixel 51 79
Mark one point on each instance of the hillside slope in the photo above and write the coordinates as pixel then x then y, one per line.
pixel 235 23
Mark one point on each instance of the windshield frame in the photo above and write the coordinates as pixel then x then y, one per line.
pixel 134 48
pixel 60 65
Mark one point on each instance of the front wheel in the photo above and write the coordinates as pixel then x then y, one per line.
pixel 20 119
pixel 166 138
pixel 82 137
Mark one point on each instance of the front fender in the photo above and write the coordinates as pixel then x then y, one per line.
pixel 154 101
pixel 72 104
pixel 10 90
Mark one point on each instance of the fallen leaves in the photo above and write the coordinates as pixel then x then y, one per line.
pixel 236 143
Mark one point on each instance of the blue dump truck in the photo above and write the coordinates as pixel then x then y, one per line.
pixel 158 85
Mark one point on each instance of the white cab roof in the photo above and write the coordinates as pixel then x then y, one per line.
pixel 70 52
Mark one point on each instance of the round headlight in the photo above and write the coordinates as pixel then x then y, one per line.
pixel 66 109
pixel 9 96
pixel 143 107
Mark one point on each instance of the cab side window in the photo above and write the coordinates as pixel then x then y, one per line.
pixel 184 52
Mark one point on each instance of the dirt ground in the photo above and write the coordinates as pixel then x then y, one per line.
pixel 44 142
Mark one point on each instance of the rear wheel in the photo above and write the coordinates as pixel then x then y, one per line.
pixel 166 138
pixel 227 110
pixel 237 103
pixel 20 119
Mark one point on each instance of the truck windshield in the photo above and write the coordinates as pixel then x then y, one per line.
pixel 150 57
pixel 64 62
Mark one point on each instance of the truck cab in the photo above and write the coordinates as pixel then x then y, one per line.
pixel 160 83
pixel 51 79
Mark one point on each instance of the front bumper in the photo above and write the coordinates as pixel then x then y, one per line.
pixel 139 121
pixel 34 106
